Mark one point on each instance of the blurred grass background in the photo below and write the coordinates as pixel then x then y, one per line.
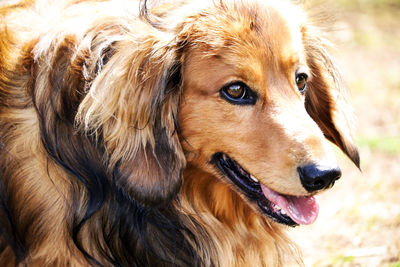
pixel 359 223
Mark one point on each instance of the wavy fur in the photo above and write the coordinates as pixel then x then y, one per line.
pixel 105 147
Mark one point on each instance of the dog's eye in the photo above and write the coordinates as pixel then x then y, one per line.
pixel 301 81
pixel 235 91
pixel 238 93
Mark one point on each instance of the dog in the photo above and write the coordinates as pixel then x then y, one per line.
pixel 163 134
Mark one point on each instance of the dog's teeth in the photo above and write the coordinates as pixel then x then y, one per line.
pixel 276 207
pixel 254 179
pixel 283 212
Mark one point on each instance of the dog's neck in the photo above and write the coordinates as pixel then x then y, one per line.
pixel 239 230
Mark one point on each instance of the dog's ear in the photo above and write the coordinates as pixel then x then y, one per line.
pixel 132 105
pixel 325 99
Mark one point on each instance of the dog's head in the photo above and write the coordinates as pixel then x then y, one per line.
pixel 260 99
pixel 246 88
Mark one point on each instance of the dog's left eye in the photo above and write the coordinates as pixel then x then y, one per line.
pixel 238 93
pixel 301 81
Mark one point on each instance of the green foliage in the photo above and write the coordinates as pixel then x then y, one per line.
pixel 394 264
pixel 384 144
pixel 361 4
pixel 339 260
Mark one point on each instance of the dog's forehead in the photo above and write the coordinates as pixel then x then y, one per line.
pixel 272 41
pixel 271 26
pixel 255 40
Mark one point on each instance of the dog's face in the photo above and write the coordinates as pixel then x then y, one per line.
pixel 252 89
pixel 243 112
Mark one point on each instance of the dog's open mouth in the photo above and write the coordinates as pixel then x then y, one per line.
pixel 289 210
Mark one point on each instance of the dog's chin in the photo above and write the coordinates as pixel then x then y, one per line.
pixel 284 209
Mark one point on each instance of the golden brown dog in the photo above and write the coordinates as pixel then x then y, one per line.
pixel 181 134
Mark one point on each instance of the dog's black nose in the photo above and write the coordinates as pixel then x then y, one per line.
pixel 315 177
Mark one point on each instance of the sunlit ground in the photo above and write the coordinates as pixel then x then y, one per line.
pixel 359 222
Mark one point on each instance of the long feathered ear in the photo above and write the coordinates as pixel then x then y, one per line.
pixel 132 106
pixel 325 99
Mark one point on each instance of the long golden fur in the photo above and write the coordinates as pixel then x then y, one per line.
pixel 112 117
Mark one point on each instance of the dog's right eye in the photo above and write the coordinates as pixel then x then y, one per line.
pixel 238 93
pixel 301 81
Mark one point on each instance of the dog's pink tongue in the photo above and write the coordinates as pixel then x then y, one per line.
pixel 302 210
